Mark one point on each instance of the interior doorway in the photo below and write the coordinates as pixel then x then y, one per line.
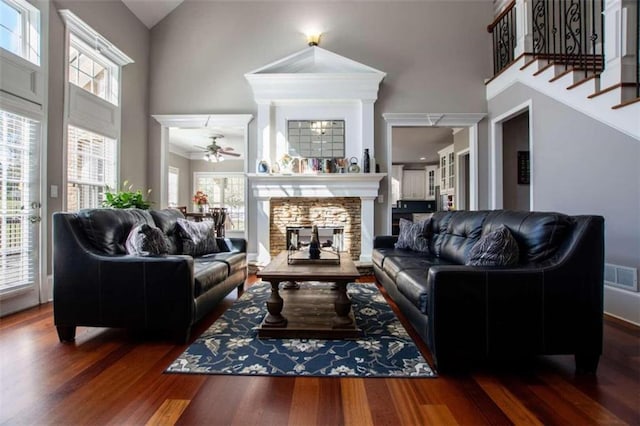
pixel 512 160
pixel 516 181
pixel 469 122
pixel 464 180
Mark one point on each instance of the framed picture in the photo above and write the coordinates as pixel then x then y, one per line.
pixel 523 168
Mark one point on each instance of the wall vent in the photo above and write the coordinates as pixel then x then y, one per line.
pixel 621 276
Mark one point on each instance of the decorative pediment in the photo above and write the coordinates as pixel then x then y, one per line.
pixel 316 60
pixel 315 73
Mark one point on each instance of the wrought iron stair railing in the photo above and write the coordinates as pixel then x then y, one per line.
pixel 503 30
pixel 569 33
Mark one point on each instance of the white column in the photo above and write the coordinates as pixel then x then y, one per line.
pixel 366 228
pixel 262 228
pixel 264 131
pixel 620 48
pixel 524 29
pixel 366 118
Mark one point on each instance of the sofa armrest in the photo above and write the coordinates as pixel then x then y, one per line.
pixel 152 292
pixel 384 241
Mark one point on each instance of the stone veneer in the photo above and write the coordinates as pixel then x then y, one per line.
pixel 307 211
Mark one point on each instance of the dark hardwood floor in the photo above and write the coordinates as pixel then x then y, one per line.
pixel 114 377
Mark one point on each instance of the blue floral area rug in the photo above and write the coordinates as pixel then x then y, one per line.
pixel 231 344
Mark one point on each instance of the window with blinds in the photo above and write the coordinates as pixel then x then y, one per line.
pixel 225 191
pixel 174 174
pixel 18 169
pixel 91 168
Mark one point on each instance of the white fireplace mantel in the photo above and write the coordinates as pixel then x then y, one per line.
pixel 362 185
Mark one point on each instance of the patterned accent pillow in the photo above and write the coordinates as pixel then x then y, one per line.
pixel 412 236
pixel 197 238
pixel 497 248
pixel 146 240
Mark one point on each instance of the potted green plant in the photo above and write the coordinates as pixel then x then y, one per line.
pixel 126 198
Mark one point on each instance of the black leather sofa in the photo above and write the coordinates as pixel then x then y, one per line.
pixel 95 283
pixel 551 302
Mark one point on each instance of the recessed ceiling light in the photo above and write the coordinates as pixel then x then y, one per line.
pixel 423 158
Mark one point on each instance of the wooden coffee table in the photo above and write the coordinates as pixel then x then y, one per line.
pixel 317 311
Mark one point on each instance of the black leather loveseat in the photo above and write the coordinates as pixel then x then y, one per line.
pixel 550 302
pixel 96 283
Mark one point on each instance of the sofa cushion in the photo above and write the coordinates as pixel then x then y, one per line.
pixel 412 283
pixel 497 248
pixel 380 254
pixel 412 236
pixel 166 219
pixel 145 240
pixel 197 238
pixel 436 229
pixel 394 264
pixel 235 261
pixel 462 231
pixel 539 234
pixel 207 273
pixel 108 229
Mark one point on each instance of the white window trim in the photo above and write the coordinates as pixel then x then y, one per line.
pixel 93 39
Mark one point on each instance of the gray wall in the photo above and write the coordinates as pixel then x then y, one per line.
pixel 515 136
pixel 580 166
pixel 115 22
pixel 436 55
pixel 461 140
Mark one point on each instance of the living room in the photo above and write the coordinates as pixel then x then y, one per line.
pixel 436 57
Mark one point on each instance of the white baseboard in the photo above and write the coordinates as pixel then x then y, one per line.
pixel 622 304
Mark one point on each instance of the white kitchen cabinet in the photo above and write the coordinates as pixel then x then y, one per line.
pixel 432 181
pixel 447 169
pixel 414 184
pixel 396 183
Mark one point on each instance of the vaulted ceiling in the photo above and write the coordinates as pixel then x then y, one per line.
pixel 150 12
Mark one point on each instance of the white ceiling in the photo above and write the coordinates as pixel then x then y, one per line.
pixel 410 144
pixel 150 12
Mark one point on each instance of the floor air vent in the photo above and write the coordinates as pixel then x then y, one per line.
pixel 621 276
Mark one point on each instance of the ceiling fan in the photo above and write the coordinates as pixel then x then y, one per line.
pixel 215 152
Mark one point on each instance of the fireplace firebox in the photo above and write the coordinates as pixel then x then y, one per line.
pixel 331 237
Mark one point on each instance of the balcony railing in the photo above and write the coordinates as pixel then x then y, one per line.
pixel 565 32
pixel 569 33
pixel 503 30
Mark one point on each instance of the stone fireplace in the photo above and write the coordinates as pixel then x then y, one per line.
pixel 321 199
pixel 324 212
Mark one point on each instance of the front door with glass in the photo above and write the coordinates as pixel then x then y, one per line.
pixel 19 212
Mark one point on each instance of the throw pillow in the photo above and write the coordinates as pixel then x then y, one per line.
pixel 412 236
pixel 197 238
pixel 496 248
pixel 145 240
